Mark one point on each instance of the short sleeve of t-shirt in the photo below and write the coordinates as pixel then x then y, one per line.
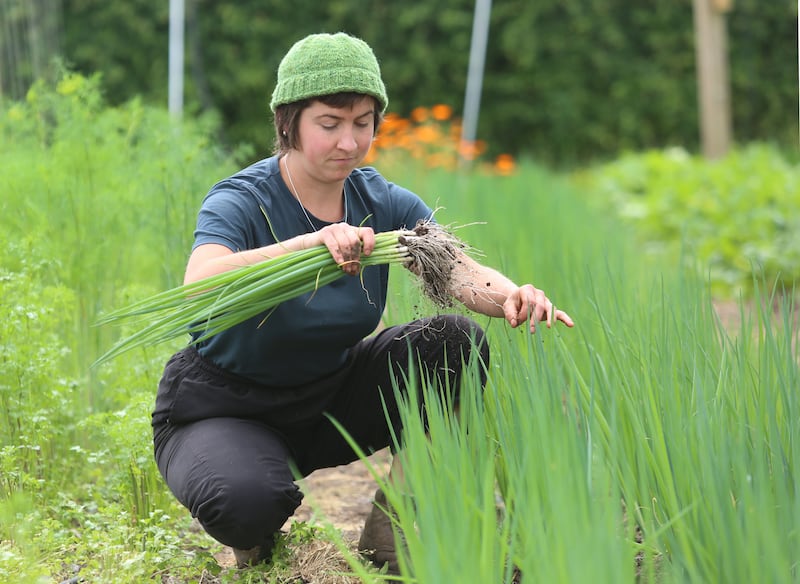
pixel 228 217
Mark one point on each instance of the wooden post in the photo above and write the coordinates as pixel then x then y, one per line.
pixel 711 48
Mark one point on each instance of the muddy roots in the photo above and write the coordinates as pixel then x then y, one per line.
pixel 434 252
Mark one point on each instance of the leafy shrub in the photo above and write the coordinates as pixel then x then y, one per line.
pixel 737 216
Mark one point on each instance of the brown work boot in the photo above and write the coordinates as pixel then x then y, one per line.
pixel 377 540
pixel 254 555
pixel 245 558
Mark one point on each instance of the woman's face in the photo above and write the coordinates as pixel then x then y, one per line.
pixel 333 140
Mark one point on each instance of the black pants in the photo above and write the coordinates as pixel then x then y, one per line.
pixel 226 446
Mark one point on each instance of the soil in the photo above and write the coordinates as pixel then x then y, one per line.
pixel 342 495
pixel 731 314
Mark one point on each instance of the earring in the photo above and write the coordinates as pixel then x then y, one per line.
pixel 284 133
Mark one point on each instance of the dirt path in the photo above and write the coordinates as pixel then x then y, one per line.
pixel 343 495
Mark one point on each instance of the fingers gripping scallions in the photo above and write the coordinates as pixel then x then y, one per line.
pixel 211 305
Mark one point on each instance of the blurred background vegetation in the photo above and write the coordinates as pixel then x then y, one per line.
pixel 566 81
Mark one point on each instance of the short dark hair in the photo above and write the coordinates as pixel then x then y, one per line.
pixel 287 116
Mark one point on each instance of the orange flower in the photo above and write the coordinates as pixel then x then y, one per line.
pixel 433 136
pixel 441 112
pixel 440 160
pixel 427 134
pixel 455 131
pixel 504 164
pixel 470 150
pixel 392 122
pixel 371 156
pixel 419 114
pixel 467 149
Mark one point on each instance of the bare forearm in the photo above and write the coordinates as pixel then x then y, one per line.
pixel 346 244
pixel 489 292
pixel 480 288
pixel 209 260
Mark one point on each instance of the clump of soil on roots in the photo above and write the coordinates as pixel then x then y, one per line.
pixel 434 251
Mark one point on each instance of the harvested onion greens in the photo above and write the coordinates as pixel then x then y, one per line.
pixel 211 305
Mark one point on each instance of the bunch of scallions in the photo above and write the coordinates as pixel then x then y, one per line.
pixel 211 305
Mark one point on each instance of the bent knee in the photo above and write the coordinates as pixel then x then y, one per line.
pixel 464 338
pixel 243 515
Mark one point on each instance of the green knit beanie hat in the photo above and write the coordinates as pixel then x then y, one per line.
pixel 323 64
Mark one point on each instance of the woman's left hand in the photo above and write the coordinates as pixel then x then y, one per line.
pixel 529 302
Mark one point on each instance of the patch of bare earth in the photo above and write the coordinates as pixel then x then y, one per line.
pixel 736 317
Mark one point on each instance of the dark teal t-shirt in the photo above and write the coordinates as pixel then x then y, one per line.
pixel 308 337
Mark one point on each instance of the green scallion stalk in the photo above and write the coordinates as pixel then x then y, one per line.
pixel 214 304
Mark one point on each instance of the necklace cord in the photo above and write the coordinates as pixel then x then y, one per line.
pixel 296 194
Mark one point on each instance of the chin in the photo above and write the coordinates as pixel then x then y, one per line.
pixel 342 171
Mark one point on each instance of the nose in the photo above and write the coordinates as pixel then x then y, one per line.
pixel 347 140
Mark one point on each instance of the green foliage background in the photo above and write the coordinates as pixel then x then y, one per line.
pixel 566 80
pixel 735 217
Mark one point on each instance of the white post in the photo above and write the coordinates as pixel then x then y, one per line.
pixel 477 58
pixel 176 27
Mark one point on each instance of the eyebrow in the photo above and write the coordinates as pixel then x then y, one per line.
pixel 369 112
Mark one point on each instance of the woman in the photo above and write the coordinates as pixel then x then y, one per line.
pixel 237 415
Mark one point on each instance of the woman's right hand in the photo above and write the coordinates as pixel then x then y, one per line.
pixel 345 242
